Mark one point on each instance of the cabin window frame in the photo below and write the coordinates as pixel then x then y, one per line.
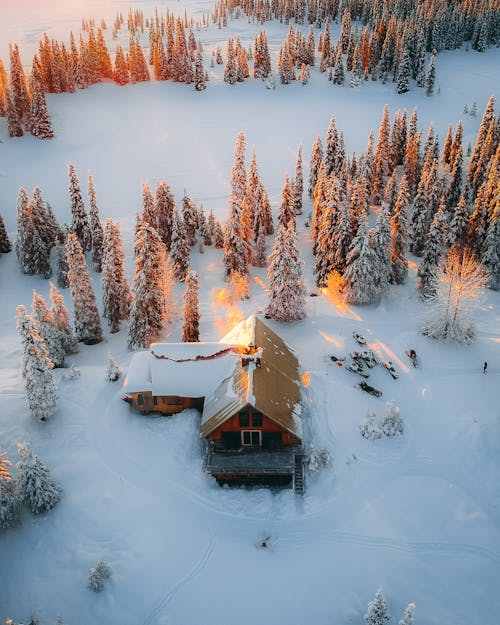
pixel 251 433
pixel 140 399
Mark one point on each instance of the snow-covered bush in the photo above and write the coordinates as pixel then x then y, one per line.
pixel 73 373
pixel 408 618
pixel 392 425
pixel 377 612
pixel 317 458
pixel 98 576
pixel 113 372
pixel 369 428
pixel 35 484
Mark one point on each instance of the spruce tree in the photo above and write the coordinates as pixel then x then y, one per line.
pixel 286 286
pixel 287 210
pixel 399 234
pixel 164 201
pixel 404 71
pixel 430 79
pixel 9 501
pixel 298 183
pixel 314 165
pixel 190 218
pixel 14 124
pixel 95 227
pixel 40 125
pixel 433 251
pixel 180 248
pixel 382 155
pixel 116 292
pixel 37 487
pixel 191 325
pixel 5 244
pixel 490 252
pixel 61 264
pixel 86 316
pixel 457 231
pixel 343 237
pixel 60 319
pixel 381 242
pixel 377 612
pixel 148 306
pixel 361 280
pixel 50 333
pixel 80 224
pixel 408 617
pixel 36 368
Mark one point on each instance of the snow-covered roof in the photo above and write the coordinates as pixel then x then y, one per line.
pixel 180 369
pixel 273 387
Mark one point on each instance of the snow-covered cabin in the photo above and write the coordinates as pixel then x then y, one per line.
pixel 247 388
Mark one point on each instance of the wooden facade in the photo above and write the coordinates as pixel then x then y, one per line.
pixel 147 403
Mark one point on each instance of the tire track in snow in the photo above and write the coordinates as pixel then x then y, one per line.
pixel 170 594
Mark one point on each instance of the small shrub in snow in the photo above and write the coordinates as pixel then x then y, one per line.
pixel 98 576
pixel 392 424
pixel 113 372
pixel 318 458
pixel 408 617
pixel 73 373
pixel 369 428
pixel 35 484
pixel 377 612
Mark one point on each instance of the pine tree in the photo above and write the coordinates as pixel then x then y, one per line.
pixel 13 122
pixel 199 74
pixel 37 487
pixel 361 280
pixel 408 617
pixel 404 72
pixel 179 248
pixel 86 316
pixel 164 201
pixel 116 292
pixel 434 249
pixel 457 231
pixel 377 612
pixel 381 242
pixel 39 121
pixel 191 326
pixel 80 224
pixel 190 218
pixel 148 306
pixel 9 504
pixel 61 264
pixel 287 210
pixel 95 227
pixel 121 74
pixel 314 165
pixel 399 234
pixel 5 244
pixel 230 71
pixel 286 286
pixel 298 183
pixel 50 333
pixel 60 319
pixel 113 372
pixel 17 83
pixel 36 368
pixel 382 155
pixel 431 76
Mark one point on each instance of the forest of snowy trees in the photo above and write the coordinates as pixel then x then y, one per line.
pixel 395 42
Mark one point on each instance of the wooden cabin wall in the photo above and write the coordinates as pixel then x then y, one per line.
pixel 165 404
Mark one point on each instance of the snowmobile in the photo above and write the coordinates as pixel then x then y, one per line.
pixel 369 389
pixel 356 367
pixel 334 358
pixel 390 368
pixel 359 338
pixel 369 357
pixel 412 355
pixel 358 356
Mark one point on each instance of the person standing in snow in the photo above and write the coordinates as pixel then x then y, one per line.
pixel 485 367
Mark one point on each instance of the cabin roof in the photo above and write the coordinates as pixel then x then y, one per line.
pixel 273 387
pixel 180 369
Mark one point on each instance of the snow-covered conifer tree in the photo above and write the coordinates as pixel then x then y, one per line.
pixel 191 326
pixel 179 248
pixel 50 333
pixel 37 487
pixel 457 231
pixel 80 224
pixel 392 424
pixel 404 71
pixel 199 73
pixel 361 278
pixel 377 612
pixel 39 121
pixel 314 165
pixel 408 616
pixel 36 368
pixel 98 576
pixel 9 501
pixel 490 253
pixel 5 244
pixel 60 319
pixel 61 264
pixel 116 291
pixel 286 286
pixel 287 210
pixel 381 242
pixel 298 182
pixel 433 251
pixel 399 234
pixel 148 307
pixel 113 372
pixel 164 201
pixel 190 218
pixel 369 428
pixel 86 316
pixel 95 227
pixel 430 79
pixel 460 282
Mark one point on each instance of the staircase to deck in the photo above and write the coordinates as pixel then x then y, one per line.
pixel 298 474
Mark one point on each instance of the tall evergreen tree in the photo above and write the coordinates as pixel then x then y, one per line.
pixel 433 251
pixel 286 286
pixel 191 326
pixel 298 182
pixel 39 121
pixel 377 612
pixel 116 291
pixel 50 333
pixel 190 218
pixel 314 165
pixel 381 241
pixel 179 248
pixel 80 224
pixel 361 280
pixel 148 306
pixel 399 234
pixel 287 210
pixel 60 319
pixel 95 227
pixel 36 368
pixel 86 316
pixel 164 201
pixel 5 244
pixel 37 487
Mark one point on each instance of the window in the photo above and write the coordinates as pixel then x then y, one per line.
pixel 256 418
pixel 244 417
pixel 251 438
pixel 140 400
pixel 155 400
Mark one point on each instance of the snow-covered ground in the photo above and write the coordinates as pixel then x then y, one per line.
pixel 417 515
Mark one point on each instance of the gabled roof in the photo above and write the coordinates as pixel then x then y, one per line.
pixel 180 369
pixel 273 387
